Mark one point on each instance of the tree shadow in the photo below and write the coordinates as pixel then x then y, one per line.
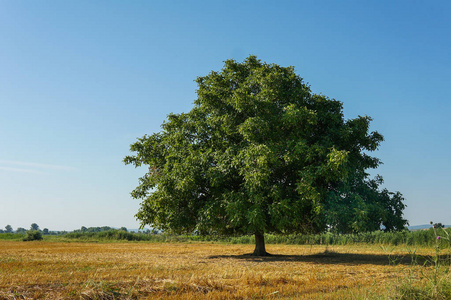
pixel 332 257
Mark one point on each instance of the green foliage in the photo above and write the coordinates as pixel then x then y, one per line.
pixel 259 152
pixel 442 291
pixel 8 229
pixel 106 235
pixel 358 205
pixel 121 235
pixel 34 227
pixel 438 225
pixel 33 235
pixel 94 229
pixel 422 238
pixel 21 230
pixel 414 238
pixel 11 236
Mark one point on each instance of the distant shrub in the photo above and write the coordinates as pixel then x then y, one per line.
pixel 33 235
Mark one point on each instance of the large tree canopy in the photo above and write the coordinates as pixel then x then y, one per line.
pixel 259 152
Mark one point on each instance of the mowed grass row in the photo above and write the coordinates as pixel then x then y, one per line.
pixel 48 270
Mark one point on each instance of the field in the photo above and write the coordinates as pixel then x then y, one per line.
pixel 73 270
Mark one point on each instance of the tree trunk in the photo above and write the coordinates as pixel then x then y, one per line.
pixel 260 245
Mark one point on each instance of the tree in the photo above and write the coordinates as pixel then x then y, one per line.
pixel 8 229
pixel 21 230
pixel 259 152
pixel 34 227
pixel 357 205
pixel 45 231
pixel 438 225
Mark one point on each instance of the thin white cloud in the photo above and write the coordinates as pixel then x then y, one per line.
pixel 31 166
pixel 31 171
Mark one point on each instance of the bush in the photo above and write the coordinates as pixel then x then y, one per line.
pixel 33 235
pixel 11 236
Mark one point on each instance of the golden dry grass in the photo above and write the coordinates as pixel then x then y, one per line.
pixel 48 270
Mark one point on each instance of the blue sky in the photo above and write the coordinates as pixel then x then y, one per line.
pixel 81 80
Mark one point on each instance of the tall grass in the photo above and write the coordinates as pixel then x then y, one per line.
pixel 410 238
pixel 435 280
pixel 425 238
pixel 120 235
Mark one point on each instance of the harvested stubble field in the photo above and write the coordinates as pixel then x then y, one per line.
pixel 56 270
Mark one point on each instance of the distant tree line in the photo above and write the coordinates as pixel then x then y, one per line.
pixel 84 229
pixel 46 231
pixel 33 227
pixel 97 229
